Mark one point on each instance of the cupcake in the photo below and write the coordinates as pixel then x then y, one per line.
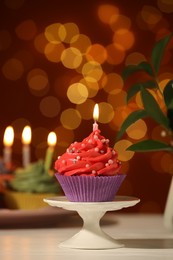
pixel 89 171
pixel 29 186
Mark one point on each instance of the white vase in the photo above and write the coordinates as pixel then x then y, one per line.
pixel 168 213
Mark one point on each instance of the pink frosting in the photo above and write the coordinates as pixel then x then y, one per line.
pixel 92 156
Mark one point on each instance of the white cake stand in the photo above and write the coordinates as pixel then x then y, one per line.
pixel 91 235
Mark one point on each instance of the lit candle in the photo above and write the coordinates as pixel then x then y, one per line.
pixel 26 140
pixel 8 142
pixel 95 116
pixel 51 140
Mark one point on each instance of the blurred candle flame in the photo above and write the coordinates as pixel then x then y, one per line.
pixel 51 139
pixel 8 136
pixel 26 135
pixel 96 112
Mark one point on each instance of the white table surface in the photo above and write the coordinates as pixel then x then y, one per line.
pixel 144 236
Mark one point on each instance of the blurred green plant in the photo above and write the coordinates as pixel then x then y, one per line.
pixel 150 106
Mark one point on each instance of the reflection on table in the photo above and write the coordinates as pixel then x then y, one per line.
pixel 143 235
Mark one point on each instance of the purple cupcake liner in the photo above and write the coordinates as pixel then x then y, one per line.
pixel 89 188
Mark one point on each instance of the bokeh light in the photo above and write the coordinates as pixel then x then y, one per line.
pixel 92 71
pixel 134 58
pixel 55 33
pixel 165 6
pixel 124 38
pixel 116 54
pixel 38 82
pixel 106 11
pixel 70 118
pixel 71 58
pixel 164 78
pixel 120 114
pixel 111 82
pixel 137 130
pixel 92 86
pixel 120 22
pixel 13 69
pixel 26 30
pixel 121 147
pixel 71 30
pixel 117 98
pixel 77 93
pixel 151 15
pixel 53 51
pixel 81 42
pixel 167 163
pixel 106 112
pixel 96 52
pixel 40 42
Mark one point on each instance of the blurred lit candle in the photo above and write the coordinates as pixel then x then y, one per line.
pixel 95 116
pixel 8 142
pixel 26 140
pixel 51 140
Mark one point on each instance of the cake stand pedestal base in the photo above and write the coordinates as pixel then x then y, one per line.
pixel 91 236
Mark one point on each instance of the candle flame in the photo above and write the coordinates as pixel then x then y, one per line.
pixel 96 112
pixel 26 135
pixel 8 136
pixel 51 139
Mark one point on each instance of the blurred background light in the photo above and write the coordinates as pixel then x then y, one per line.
pixel 77 93
pixel 70 118
pixel 38 82
pixel 13 69
pixel 106 12
pixel 121 147
pixel 71 58
pixel 26 30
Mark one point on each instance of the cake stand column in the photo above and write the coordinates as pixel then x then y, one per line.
pixel 91 236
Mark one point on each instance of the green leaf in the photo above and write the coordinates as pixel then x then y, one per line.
pixel 150 146
pixel 153 109
pixel 146 67
pixel 132 118
pixel 168 94
pixel 158 52
pixel 131 69
pixel 137 87
pixel 170 117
